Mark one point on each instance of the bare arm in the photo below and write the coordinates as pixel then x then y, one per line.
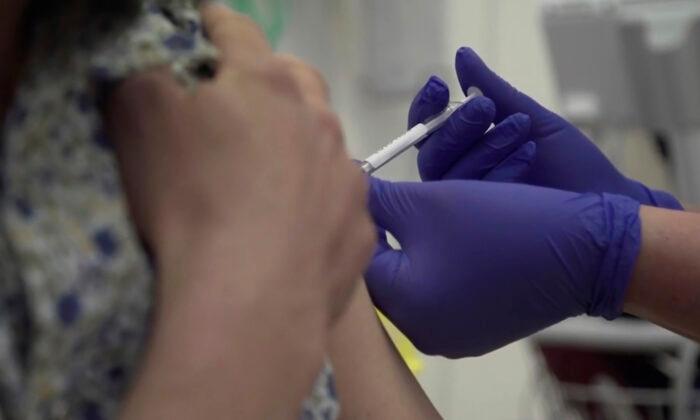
pixel 219 347
pixel 372 380
pixel 665 288
pixel 257 222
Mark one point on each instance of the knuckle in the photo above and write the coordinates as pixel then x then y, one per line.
pixel 281 79
pixel 306 71
pixel 320 80
pixel 330 124
pixel 299 64
pixel 286 60
pixel 148 89
pixel 316 74
pixel 151 82
pixel 307 74
pixel 221 25
pixel 214 13
pixel 221 20
pixel 247 23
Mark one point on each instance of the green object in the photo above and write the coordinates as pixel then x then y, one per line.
pixel 269 14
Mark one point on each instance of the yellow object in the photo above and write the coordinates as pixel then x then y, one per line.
pixel 409 353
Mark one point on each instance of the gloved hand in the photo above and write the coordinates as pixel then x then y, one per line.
pixel 566 158
pixel 503 154
pixel 484 264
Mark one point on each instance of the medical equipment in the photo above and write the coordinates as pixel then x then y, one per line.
pixel 412 137
pixel 674 356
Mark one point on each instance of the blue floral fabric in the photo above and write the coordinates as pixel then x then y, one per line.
pixel 76 287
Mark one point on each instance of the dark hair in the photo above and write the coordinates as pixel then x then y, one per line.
pixel 50 24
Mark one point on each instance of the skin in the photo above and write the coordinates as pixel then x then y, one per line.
pixel 259 228
pixel 665 288
pixel 287 339
pixel 193 238
pixel 199 379
pixel 372 380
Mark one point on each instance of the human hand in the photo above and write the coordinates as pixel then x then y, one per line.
pixel 258 221
pixel 483 264
pixel 255 156
pixel 566 159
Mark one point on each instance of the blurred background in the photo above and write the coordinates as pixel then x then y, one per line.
pixel 627 72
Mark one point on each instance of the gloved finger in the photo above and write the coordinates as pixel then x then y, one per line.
pixel 382 242
pixel 472 71
pixel 432 99
pixel 386 280
pixel 386 275
pixel 516 166
pixel 461 131
pixel 496 146
pixel 386 206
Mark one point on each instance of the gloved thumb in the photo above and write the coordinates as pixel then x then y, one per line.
pixel 432 99
pixel 386 276
pixel 473 72
pixel 389 204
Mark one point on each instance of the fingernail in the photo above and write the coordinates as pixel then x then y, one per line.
pixel 501 141
pixel 523 122
pixel 479 110
pixel 519 165
pixel 435 89
pixel 466 59
pixel 528 151
pixel 525 155
pixel 464 52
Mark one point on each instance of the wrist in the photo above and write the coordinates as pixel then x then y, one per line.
pixel 219 322
pixel 214 278
pixel 664 288
pixel 656 198
pixel 665 200
pixel 621 223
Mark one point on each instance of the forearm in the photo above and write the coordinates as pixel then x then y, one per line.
pixel 372 380
pixel 665 287
pixel 221 350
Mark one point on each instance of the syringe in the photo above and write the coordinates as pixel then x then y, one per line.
pixel 412 137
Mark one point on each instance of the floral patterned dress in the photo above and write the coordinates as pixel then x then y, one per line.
pixel 76 287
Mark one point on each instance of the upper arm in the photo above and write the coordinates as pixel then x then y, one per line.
pixel 373 381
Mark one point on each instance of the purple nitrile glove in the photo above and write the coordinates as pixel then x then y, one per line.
pixel 503 154
pixel 484 264
pixel 566 159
